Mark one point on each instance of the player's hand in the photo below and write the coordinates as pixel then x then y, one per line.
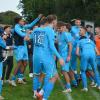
pixel 4 37
pixel 29 46
pixel 98 53
pixel 26 38
pixel 40 15
pixel 61 61
pixel 68 58
pixel 28 31
pixel 55 58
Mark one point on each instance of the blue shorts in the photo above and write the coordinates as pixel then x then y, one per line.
pixel 50 66
pixel 74 60
pixel 66 67
pixel 98 60
pixel 21 53
pixel 88 60
pixel 1 68
pixel 37 64
pixel 89 67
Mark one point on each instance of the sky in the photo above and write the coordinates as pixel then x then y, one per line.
pixel 6 5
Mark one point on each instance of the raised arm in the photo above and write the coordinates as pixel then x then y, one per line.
pixel 19 32
pixel 27 26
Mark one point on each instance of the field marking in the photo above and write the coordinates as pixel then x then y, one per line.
pixel 68 95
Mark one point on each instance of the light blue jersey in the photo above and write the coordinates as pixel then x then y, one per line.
pixel 49 43
pixel 2 45
pixel 75 34
pixel 87 56
pixel 44 47
pixel 49 62
pixel 38 36
pixel 86 46
pixel 21 52
pixel 44 51
pixel 63 39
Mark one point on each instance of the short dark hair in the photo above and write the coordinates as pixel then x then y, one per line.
pixel 61 23
pixel 77 19
pixel 17 19
pixel 50 18
pixel 7 26
pixel 43 21
pixel 88 26
pixel 98 27
pixel 83 28
pixel 68 26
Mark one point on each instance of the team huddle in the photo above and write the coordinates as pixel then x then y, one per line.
pixel 53 43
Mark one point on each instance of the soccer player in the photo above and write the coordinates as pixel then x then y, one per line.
pixel 2 46
pixel 45 39
pixel 89 32
pixel 75 34
pixel 89 71
pixel 38 35
pixel 97 41
pixel 86 49
pixel 21 51
pixel 65 48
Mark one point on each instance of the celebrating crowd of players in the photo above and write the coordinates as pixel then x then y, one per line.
pixel 43 45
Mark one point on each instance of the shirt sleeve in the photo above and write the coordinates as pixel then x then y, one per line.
pixel 68 37
pixel 27 26
pixel 51 39
pixel 19 32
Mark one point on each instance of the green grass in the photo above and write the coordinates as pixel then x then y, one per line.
pixel 24 92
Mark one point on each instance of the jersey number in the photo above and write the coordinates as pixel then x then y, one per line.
pixel 39 38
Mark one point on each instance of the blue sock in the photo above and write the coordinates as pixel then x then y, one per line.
pixel 0 87
pixel 46 80
pixel 74 82
pixel 19 72
pixel 39 85
pixel 97 77
pixel 13 78
pixel 84 79
pixel 48 89
pixel 76 76
pixel 68 86
pixel 35 83
pixel 91 78
pixel 20 76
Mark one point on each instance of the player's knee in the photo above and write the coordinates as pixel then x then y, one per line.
pixel 54 78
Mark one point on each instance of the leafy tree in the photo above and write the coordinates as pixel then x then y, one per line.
pixel 64 9
pixel 8 17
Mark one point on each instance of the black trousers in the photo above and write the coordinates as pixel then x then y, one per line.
pixel 30 63
pixel 7 68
